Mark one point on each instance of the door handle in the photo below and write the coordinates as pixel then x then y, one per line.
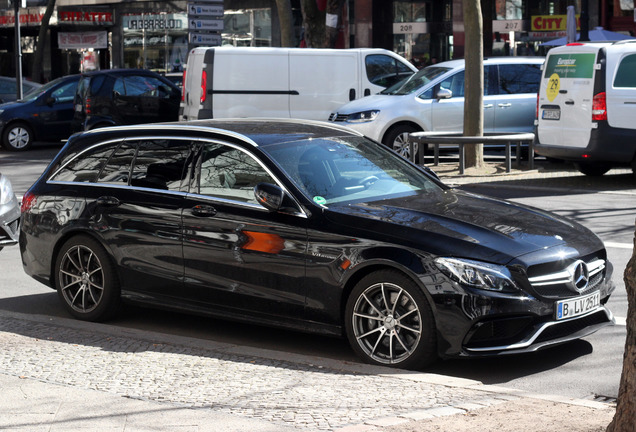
pixel 107 201
pixel 504 105
pixel 203 210
pixel 367 92
pixel 569 102
pixel 486 106
pixel 352 94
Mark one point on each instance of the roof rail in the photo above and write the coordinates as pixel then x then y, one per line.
pixel 624 41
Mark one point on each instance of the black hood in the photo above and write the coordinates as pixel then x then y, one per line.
pixel 455 223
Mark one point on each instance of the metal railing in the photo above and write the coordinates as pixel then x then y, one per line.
pixel 507 139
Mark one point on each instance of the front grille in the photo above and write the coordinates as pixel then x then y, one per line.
pixel 549 281
pixel 499 332
pixel 335 117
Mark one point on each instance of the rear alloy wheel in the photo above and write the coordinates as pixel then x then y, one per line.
pixel 398 139
pixel 593 170
pixel 86 281
pixel 17 137
pixel 389 321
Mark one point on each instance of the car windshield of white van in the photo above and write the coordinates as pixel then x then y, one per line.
pixel 416 81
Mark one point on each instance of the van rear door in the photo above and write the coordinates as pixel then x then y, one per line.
pixel 566 95
pixel 621 86
pixel 191 103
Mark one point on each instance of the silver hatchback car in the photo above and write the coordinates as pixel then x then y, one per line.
pixel 433 100
pixel 9 214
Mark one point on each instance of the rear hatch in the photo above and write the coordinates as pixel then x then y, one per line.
pixel 566 95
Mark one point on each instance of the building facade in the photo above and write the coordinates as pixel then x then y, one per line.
pixel 100 34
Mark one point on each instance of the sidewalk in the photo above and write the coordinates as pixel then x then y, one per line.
pixel 60 374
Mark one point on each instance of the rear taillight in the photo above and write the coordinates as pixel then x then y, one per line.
pixel 183 86
pixel 29 200
pixel 537 113
pixel 599 107
pixel 204 85
pixel 87 106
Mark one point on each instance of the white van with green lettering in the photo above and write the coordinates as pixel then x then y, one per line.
pixel 586 108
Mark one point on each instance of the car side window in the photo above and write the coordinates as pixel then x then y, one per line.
pixel 519 78
pixel 85 167
pixel 117 168
pixel 384 70
pixel 229 173
pixel 454 83
pixel 626 72
pixel 162 164
pixel 65 93
pixel 145 86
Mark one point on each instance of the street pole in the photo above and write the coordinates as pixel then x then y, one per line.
pixel 18 49
pixel 585 22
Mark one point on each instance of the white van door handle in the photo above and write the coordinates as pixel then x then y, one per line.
pixel 569 102
pixel 486 106
pixel 504 105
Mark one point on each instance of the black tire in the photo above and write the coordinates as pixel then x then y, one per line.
pixel 17 137
pixel 389 321
pixel 86 280
pixel 397 138
pixel 593 170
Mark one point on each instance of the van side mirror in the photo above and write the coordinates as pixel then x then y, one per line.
pixel 275 199
pixel 443 93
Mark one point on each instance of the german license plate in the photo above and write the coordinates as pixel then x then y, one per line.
pixel 577 306
pixel 550 114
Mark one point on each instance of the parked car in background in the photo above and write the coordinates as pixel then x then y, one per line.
pixel 9 214
pixel 309 226
pixel 44 114
pixel 587 106
pixel 123 97
pixel 9 88
pixel 433 100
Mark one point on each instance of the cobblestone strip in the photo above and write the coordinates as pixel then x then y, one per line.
pixel 303 396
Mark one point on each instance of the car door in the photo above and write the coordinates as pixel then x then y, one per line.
pixel 126 100
pixel 516 101
pixel 56 111
pixel 245 259
pixel 448 114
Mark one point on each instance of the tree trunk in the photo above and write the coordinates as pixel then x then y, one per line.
pixel 333 19
pixel 625 417
pixel 285 19
pixel 38 55
pixel 314 24
pixel 474 81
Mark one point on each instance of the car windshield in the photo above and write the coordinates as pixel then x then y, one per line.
pixel 348 169
pixel 34 93
pixel 416 81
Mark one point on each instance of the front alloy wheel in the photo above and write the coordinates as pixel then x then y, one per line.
pixel 17 137
pixel 86 280
pixel 389 321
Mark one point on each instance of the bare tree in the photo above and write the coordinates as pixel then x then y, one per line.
pixel 314 24
pixel 38 56
pixel 286 24
pixel 474 81
pixel 626 407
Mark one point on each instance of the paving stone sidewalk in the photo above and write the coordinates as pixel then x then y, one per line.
pixel 275 390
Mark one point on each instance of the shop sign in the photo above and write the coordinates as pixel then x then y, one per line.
pixel 551 22
pixel 28 17
pixel 177 21
pixel 82 40
pixel 85 17
pixel 410 28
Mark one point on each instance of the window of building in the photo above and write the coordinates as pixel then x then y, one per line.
pixel 247 27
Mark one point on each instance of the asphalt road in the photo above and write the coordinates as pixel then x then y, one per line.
pixel 583 369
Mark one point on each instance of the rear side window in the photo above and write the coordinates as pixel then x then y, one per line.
pixel 626 72
pixel 161 164
pixel 384 70
pixel 86 166
pixel 519 78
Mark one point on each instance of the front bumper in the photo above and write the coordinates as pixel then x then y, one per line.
pixel 9 223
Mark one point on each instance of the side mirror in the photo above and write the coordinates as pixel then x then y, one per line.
pixel 275 199
pixel 443 93
pixel 50 101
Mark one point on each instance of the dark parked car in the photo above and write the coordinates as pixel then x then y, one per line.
pixel 9 88
pixel 9 214
pixel 124 97
pixel 309 226
pixel 43 114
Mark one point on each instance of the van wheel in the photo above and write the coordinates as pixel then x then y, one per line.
pixel 389 321
pixel 594 170
pixel 397 138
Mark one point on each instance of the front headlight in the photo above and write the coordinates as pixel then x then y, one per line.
pixel 6 192
pixel 477 274
pixel 363 117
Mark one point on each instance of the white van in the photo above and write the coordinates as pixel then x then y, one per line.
pixel 586 109
pixel 225 82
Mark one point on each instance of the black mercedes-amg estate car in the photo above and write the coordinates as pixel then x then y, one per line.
pixel 307 226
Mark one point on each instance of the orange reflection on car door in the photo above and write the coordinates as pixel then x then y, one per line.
pixel 263 242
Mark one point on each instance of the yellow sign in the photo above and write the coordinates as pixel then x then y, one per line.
pixel 551 22
pixel 554 84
